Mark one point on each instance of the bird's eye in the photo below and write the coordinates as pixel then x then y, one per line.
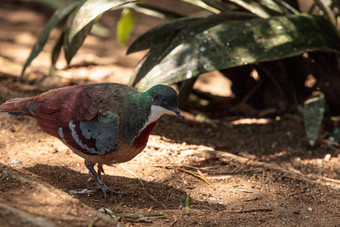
pixel 163 100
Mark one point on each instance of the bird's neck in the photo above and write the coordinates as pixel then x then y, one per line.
pixel 155 113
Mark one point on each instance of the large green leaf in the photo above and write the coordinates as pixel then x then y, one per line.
pixel 165 33
pixel 91 10
pixel 71 47
pixel 56 52
pixel 154 56
pixel 204 47
pixel 56 18
pixel 160 37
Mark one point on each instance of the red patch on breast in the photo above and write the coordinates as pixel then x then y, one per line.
pixel 143 137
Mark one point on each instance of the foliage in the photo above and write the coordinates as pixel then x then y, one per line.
pixel 81 16
pixel 230 38
pixel 203 43
pixel 272 37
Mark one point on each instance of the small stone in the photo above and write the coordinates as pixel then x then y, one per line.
pixel 105 210
pixel 327 157
pixel 16 162
pixel 310 209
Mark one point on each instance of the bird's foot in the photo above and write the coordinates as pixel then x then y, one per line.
pixel 107 191
pixel 97 176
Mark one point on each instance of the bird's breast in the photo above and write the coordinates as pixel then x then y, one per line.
pixel 143 137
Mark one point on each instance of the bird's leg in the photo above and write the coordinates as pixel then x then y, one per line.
pixel 103 187
pixel 100 170
pixel 97 176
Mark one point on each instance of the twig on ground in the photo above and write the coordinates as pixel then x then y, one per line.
pixel 250 211
pixel 331 180
pixel 126 169
pixel 196 175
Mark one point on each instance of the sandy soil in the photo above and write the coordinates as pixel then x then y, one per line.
pixel 258 171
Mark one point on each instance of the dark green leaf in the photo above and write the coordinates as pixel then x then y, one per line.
pixel 202 4
pixel 221 6
pixel 163 33
pixel 125 25
pixel 204 47
pixel 154 56
pixel 56 53
pixel 71 48
pixel 335 135
pixel 254 7
pixel 187 204
pixel 287 7
pixel 270 4
pixel 313 115
pixel 155 11
pixel 159 42
pixel 56 18
pixel 91 10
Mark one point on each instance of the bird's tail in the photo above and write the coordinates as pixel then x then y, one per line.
pixel 17 106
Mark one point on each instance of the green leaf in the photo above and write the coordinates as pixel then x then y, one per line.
pixel 288 7
pixel 91 10
pixel 148 62
pixel 163 33
pixel 100 31
pixel 155 11
pixel 313 116
pixel 71 48
pixel 56 53
pixel 159 39
pixel 125 25
pixel 202 4
pixel 55 20
pixel 206 46
pixel 335 135
pixel 270 4
pixel 221 6
pixel 253 6
pixel 187 204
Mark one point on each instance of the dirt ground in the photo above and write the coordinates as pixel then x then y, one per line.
pixel 256 172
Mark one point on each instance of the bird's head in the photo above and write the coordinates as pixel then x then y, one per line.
pixel 164 100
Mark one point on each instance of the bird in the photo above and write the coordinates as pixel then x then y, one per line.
pixel 104 123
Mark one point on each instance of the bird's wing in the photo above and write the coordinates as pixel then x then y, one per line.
pixel 78 118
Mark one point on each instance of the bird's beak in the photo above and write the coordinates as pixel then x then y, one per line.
pixel 176 111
